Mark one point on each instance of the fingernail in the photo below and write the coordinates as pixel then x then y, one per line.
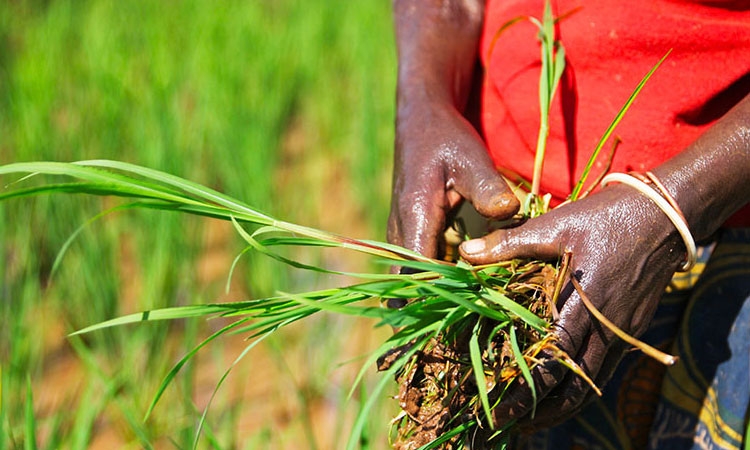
pixel 473 246
pixel 505 200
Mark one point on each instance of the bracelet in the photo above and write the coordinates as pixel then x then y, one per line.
pixel 669 207
pixel 650 178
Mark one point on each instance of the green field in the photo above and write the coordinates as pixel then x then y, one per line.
pixel 286 104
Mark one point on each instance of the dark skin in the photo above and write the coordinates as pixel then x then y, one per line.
pixel 440 158
pixel 625 250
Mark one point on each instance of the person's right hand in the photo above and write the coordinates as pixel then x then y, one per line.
pixel 440 161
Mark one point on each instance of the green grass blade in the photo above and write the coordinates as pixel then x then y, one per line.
pixel 109 183
pixel 465 303
pixel 61 188
pixel 455 272
pixel 364 438
pixel 475 354
pixel 401 251
pixel 385 379
pixel 29 442
pixel 3 431
pixel 524 314
pixel 525 371
pixel 224 376
pixel 257 246
pixel 92 403
pixel 177 367
pixel 177 312
pixel 608 132
pixel 117 184
pixel 338 308
pixel 445 437
pixel 160 186
pixel 137 428
pixel 182 184
pixel 294 242
pixel 559 66
pixel 502 30
pixel 262 248
pixel 68 242
pixel 502 444
pixel 233 267
pixel 548 23
pixel 399 339
pixel 546 38
pixel 552 67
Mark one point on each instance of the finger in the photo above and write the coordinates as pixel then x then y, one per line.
pixel 574 392
pixel 597 355
pixel 531 240
pixel 416 222
pixel 615 354
pixel 572 334
pixel 559 405
pixel 518 401
pixel 479 182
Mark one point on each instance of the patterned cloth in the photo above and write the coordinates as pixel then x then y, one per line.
pixel 702 402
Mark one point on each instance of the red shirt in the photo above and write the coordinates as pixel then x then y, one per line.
pixel 610 45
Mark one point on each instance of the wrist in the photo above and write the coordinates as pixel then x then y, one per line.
pixel 645 221
pixel 709 189
pixel 419 99
pixel 709 179
pixel 652 188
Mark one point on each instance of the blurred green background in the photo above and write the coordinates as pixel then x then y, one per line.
pixel 286 104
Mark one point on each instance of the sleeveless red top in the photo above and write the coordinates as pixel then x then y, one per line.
pixel 610 45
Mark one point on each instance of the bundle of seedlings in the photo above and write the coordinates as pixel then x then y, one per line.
pixel 464 333
pixel 500 312
pixel 452 385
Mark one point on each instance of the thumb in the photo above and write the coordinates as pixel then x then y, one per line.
pixel 526 241
pixel 482 185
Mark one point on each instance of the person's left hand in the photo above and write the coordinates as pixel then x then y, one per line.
pixel 624 253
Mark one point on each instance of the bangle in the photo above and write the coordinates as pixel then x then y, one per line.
pixel 669 207
pixel 649 178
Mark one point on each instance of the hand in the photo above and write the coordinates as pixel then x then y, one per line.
pixel 440 160
pixel 624 253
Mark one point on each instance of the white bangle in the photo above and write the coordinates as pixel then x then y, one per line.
pixel 671 212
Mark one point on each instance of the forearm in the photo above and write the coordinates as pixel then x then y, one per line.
pixel 710 180
pixel 437 44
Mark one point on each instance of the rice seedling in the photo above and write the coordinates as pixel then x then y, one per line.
pixel 464 335
pixel 491 302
